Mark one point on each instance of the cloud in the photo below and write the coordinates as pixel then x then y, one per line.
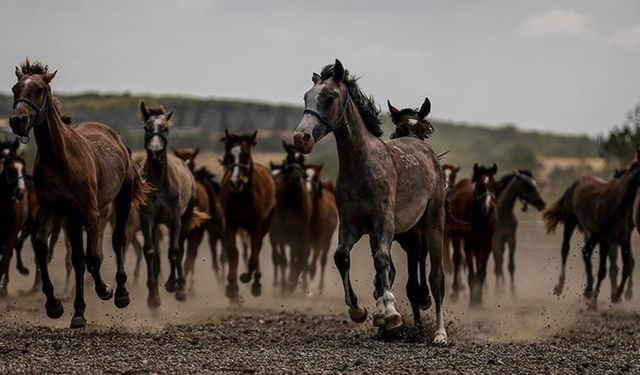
pixel 627 37
pixel 558 23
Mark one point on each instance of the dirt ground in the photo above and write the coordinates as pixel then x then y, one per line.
pixel 531 331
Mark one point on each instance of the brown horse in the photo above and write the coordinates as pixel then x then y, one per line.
pixel 411 122
pixel 324 219
pixel 291 219
pixel 384 189
pixel 172 203
pixel 450 171
pixel 248 198
pixel 79 170
pixel 603 211
pixel 215 226
pixel 474 201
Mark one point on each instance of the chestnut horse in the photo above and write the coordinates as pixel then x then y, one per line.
pixel 172 202
pixel 248 197
pixel 383 189
pixel 291 219
pixel 519 185
pixel 324 219
pixel 79 170
pixel 603 210
pixel 473 201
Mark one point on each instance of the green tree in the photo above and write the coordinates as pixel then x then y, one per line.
pixel 621 142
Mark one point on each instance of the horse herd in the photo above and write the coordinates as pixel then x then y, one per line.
pixel 85 178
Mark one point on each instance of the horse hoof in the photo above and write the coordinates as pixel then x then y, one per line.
pixel 588 293
pixel 392 320
pixel 425 303
pixel 122 299
pixel 628 294
pixel 358 314
pixel 557 290
pixel 181 296
pixel 78 321
pixel 231 292
pixel 54 310
pixel 245 277
pixel 105 294
pixel 615 297
pixel 153 302
pixel 170 286
pixel 440 339
pixel 256 289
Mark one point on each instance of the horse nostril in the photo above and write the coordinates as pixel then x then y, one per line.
pixel 306 137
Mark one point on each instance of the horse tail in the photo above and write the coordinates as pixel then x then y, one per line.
pixel 555 213
pixel 141 189
pixel 198 218
pixel 451 222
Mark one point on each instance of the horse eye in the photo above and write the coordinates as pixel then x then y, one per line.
pixel 39 91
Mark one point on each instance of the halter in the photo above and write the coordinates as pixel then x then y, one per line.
pixel 39 109
pixel 486 193
pixel 149 135
pixel 332 126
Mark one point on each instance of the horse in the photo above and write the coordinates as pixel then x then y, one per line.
pixel 172 202
pixel 78 171
pixel 603 210
pixel 248 198
pixel 518 185
pixel 473 201
pixel 203 204
pixel 324 220
pixel 411 122
pixel 215 226
pixel 450 171
pixel 291 219
pixel 384 189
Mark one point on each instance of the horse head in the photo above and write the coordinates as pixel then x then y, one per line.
pixel 157 122
pixel 485 190
pixel 411 122
pixel 237 160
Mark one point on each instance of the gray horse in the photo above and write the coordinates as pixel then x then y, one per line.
pixel 519 185
pixel 377 194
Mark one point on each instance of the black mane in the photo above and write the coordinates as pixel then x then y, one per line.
pixel 503 182
pixel 367 107
pixel 36 67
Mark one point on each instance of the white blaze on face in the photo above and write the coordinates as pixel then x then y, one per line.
pixel 275 172
pixel 447 178
pixel 235 172
pixel 20 171
pixel 412 121
pixel 310 172
pixel 487 198
pixel 156 143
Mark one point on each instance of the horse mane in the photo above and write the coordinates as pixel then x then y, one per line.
pixel 204 174
pixel 36 67
pixel 156 110
pixel 503 182
pixel 369 111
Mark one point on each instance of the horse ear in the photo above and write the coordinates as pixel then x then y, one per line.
pixel 338 71
pixel 315 77
pixel 143 110
pixel 226 136
pixel 456 169
pixel 494 168
pixel 285 146
pixel 47 78
pixel 475 168
pixel 168 115
pixel 16 145
pixel 320 166
pixel 392 110
pixel 425 109
pixel 254 136
pixel 19 73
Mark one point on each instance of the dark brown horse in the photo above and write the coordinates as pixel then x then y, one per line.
pixel 324 219
pixel 248 198
pixel 383 189
pixel 510 188
pixel 172 203
pixel 291 219
pixel 603 211
pixel 411 122
pixel 79 170
pixel 450 171
pixel 214 226
pixel 474 201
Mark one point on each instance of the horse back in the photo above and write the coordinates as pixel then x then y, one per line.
pixel 181 181
pixel 263 190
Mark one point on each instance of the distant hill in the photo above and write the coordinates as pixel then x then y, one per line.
pixel 201 122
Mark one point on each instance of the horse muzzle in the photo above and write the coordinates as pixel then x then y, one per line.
pixel 303 141
pixel 19 125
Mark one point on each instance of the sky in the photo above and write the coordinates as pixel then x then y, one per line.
pixel 562 66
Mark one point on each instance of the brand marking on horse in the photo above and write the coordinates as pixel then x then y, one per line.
pixel 408 160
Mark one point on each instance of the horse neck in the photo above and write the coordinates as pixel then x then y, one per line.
pixel 52 135
pixel 157 173
pixel 624 191
pixel 353 143
pixel 508 196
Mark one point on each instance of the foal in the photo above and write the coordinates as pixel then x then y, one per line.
pixel 474 201
pixel 79 170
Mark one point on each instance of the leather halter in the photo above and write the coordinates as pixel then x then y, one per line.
pixel 332 126
pixel 38 109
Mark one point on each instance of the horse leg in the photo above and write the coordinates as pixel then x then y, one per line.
pixel 24 233
pixel 122 206
pixel 447 262
pixel 94 255
pixel 74 235
pixel 137 247
pixel 231 252
pixel 177 236
pixel 254 262
pixel 481 269
pixel 53 305
pixel 413 287
pixel 150 254
pixel 194 238
pixel 627 266
pixel 512 263
pixel 385 304
pixel 587 250
pixel 275 259
pixel 613 269
pixel 498 259
pixel 347 237
pixel 434 231
pixel 456 241
pixel 602 273
pixel 632 262
pixel 212 237
pixel 323 262
pixel 470 255
pixel 569 226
